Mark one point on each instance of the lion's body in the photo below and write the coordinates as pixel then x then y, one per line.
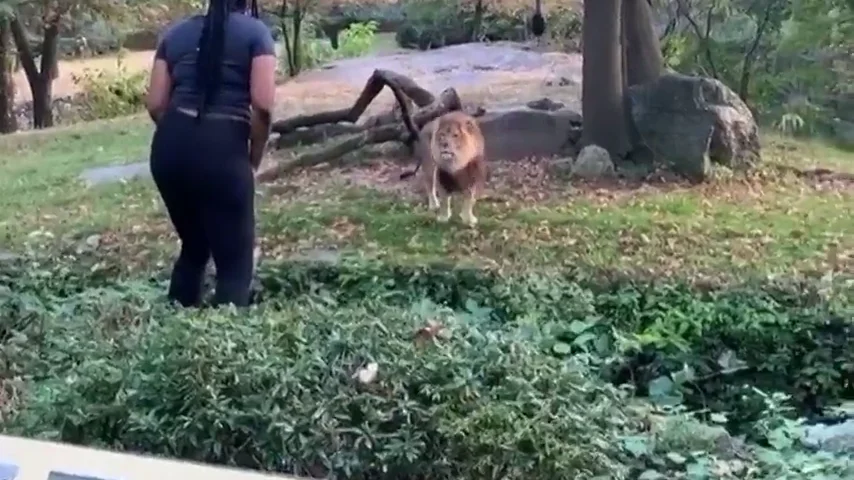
pixel 451 149
pixel 455 163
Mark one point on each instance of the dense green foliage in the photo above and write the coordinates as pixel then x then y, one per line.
pixel 354 41
pixel 790 59
pixel 110 94
pixel 523 364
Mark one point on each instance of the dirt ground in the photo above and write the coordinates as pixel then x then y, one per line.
pixel 498 73
pixel 64 85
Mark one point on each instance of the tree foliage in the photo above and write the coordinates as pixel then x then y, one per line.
pixel 784 57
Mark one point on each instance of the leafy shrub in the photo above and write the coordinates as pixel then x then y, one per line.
pixel 563 30
pixel 355 41
pixel 387 13
pixel 789 338
pixel 513 384
pixel 794 73
pixel 440 23
pixel 109 94
pixel 276 390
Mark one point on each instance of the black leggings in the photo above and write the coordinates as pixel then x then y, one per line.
pixel 203 174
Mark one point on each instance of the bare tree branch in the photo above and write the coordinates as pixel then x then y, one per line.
pixel 378 129
pixel 447 101
pixel 373 87
pixel 685 11
pixel 750 55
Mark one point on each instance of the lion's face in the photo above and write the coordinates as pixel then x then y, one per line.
pixel 451 137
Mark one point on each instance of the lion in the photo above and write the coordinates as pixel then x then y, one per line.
pixel 454 159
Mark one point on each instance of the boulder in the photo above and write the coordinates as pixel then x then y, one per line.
pixel 522 132
pixel 843 132
pixel 689 122
pixel 592 162
pixel 833 438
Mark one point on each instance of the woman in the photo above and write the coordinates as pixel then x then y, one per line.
pixel 212 88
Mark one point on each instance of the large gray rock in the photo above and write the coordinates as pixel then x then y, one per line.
pixel 834 438
pixel 689 122
pixel 592 162
pixel 517 133
pixel 843 131
pixel 522 132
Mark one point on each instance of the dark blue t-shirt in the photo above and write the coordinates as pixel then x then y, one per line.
pixel 245 38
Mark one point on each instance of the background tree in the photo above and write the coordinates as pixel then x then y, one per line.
pixel 8 120
pixel 602 78
pixel 641 47
pixel 620 48
pixel 44 20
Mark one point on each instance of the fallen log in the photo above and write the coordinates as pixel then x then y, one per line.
pixel 447 101
pixel 323 133
pixel 373 87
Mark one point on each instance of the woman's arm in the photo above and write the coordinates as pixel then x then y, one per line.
pixel 159 85
pixel 262 89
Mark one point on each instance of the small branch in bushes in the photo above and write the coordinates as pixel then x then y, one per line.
pixel 685 10
pixel 750 55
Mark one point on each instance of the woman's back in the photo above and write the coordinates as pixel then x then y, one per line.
pixel 245 37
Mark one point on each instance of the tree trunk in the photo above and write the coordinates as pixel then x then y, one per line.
pixel 43 89
pixel 602 83
pixel 8 119
pixel 297 48
pixel 42 100
pixel 41 83
pixel 644 62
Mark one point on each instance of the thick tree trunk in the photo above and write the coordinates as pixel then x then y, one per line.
pixel 644 62
pixel 642 58
pixel 42 100
pixel 602 84
pixel 8 120
pixel 40 79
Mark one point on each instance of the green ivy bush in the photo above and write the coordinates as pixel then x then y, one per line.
pixel 714 347
pixel 110 94
pixel 275 390
pixel 706 349
pixel 279 388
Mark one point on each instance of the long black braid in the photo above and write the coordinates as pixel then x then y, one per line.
pixel 211 46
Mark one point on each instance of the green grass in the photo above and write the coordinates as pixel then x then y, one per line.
pixel 767 223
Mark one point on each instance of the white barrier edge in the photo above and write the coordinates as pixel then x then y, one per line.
pixel 36 459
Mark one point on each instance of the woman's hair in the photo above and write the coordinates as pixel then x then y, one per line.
pixel 212 44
